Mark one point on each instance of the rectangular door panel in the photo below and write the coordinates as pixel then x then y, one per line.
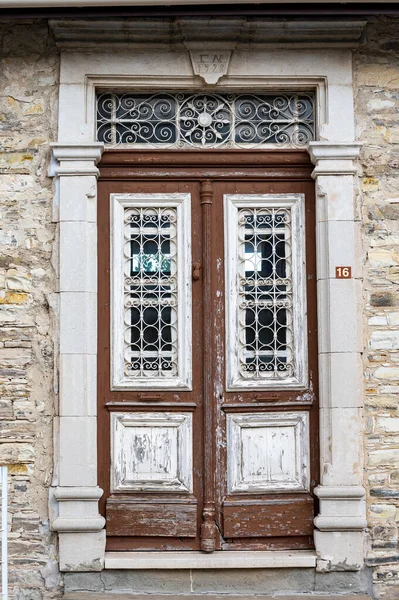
pixel 274 517
pixel 155 518
pixel 267 452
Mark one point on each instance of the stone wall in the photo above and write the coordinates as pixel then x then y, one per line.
pixel 376 68
pixel 29 66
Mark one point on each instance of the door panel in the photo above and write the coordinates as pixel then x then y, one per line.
pixel 266 466
pixel 274 517
pixel 151 423
pixel 227 460
pixel 152 518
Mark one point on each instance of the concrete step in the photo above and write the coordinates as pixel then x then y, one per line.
pixel 117 596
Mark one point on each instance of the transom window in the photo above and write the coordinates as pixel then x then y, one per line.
pixel 179 120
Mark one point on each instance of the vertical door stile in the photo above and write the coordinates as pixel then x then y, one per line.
pixel 208 527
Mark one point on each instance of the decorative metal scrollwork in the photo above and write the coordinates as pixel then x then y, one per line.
pixel 205 120
pixel 150 283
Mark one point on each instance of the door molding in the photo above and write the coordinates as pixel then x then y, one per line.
pixel 340 524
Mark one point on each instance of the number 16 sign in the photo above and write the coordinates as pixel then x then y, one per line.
pixel 343 272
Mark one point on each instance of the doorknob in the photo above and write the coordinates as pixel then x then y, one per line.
pixel 196 270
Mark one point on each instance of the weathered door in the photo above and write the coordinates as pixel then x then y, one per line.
pixel 207 377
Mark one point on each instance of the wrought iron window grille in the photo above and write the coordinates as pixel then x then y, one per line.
pixel 150 292
pixel 265 294
pixel 202 120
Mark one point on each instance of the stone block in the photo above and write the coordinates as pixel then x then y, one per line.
pixel 341 427
pixel 383 257
pixel 387 373
pixel 78 199
pixel 73 97
pixel 259 581
pixel 83 582
pixel 149 581
pixel 339 550
pixel 17 281
pixel 340 126
pixel 384 340
pixel 78 381
pixel 78 451
pixel 388 424
pixel 340 315
pixel 382 511
pixel 12 453
pixel 339 244
pixel 393 319
pixel 341 381
pixel 17 431
pixel 384 298
pixel 82 552
pixel 388 457
pixel 78 323
pixel 78 261
pixel 345 582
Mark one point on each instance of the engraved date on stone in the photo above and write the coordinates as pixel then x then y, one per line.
pixel 210 65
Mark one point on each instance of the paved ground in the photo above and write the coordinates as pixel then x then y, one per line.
pixel 107 596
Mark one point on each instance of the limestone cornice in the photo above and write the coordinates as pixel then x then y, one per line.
pixel 334 159
pixel 226 32
pixel 76 159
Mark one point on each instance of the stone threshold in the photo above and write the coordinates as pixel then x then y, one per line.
pixel 119 596
pixel 217 560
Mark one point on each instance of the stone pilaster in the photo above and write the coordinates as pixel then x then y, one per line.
pixel 341 519
pixel 80 527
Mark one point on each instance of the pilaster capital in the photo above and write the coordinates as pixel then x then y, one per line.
pixel 334 159
pixel 76 159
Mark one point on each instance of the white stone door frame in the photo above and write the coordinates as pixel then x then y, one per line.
pixel 340 523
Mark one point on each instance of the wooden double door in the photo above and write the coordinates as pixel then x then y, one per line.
pixel 207 350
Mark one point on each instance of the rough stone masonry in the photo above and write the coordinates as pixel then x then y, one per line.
pixel 28 245
pixel 28 297
pixel 376 69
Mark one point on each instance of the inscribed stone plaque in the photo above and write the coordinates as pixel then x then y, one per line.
pixel 210 65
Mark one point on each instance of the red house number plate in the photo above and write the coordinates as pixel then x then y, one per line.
pixel 343 272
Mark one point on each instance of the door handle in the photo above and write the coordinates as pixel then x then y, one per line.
pixel 196 270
